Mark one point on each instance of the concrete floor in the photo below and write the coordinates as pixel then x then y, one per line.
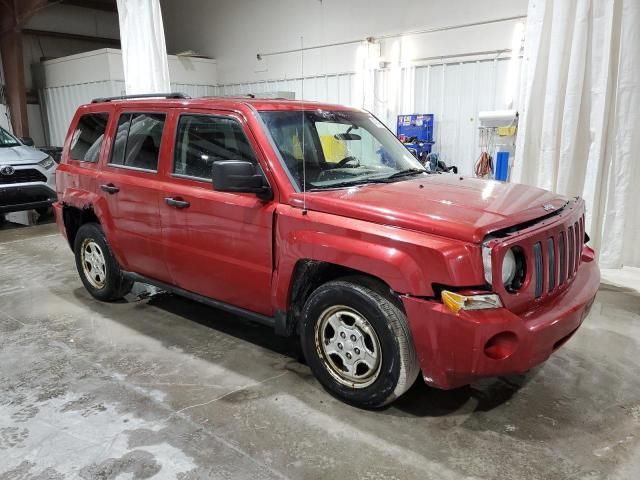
pixel 167 388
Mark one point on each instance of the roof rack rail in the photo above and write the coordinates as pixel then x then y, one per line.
pixel 141 95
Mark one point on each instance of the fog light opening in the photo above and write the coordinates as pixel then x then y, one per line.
pixel 501 346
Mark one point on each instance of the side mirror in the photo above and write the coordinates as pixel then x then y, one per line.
pixel 241 177
pixel 28 141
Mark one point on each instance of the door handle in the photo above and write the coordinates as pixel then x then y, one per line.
pixel 109 188
pixel 176 202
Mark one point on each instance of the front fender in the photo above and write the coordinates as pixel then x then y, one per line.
pixel 409 262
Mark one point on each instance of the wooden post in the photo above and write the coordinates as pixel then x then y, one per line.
pixel 16 93
pixel 13 15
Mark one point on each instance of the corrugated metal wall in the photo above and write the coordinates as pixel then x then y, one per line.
pixel 325 88
pixel 61 103
pixel 454 92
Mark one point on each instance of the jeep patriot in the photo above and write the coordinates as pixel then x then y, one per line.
pixel 315 220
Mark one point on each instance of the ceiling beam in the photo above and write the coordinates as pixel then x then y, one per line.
pixel 17 13
pixel 72 36
pixel 105 6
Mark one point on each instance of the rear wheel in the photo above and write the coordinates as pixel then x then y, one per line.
pixel 357 342
pixel 98 269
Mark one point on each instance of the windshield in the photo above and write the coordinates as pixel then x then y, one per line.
pixel 6 139
pixel 341 148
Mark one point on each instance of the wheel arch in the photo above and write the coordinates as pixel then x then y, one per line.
pixel 74 217
pixel 308 275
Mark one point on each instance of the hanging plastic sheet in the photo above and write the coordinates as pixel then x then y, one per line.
pixel 144 53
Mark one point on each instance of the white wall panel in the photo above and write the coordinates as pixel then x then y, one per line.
pixel 454 92
pixel 225 31
pixel 61 103
pixel 325 88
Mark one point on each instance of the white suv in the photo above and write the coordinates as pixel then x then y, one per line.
pixel 27 176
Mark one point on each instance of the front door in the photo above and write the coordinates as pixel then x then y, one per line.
pixel 217 244
pixel 129 184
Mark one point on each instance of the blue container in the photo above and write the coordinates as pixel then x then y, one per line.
pixel 419 126
pixel 502 166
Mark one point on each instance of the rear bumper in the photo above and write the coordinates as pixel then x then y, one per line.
pixel 452 348
pixel 25 197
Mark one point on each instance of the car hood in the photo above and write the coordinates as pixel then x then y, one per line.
pixel 20 155
pixel 449 205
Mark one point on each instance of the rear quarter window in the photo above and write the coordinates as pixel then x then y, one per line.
pixel 137 141
pixel 87 138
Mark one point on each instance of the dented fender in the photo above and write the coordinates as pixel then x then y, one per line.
pixel 409 262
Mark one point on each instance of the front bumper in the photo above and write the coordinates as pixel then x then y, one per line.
pixel 15 198
pixel 452 348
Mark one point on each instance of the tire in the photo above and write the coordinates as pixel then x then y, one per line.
pixel 376 378
pixel 91 249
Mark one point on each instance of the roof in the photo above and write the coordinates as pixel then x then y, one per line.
pixel 226 102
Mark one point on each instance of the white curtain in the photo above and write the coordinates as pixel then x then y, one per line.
pixel 144 53
pixel 580 125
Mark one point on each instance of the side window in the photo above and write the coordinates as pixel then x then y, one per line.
pixel 137 141
pixel 203 139
pixel 87 137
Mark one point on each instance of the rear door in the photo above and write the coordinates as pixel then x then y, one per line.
pixel 217 244
pixel 130 186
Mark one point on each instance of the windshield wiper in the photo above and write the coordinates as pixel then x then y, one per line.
pixel 352 183
pixel 406 173
pixel 364 181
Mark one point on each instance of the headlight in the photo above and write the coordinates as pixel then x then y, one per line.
pixel 513 267
pixel 47 163
pixel 508 268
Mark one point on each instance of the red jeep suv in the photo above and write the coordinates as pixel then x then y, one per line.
pixel 314 219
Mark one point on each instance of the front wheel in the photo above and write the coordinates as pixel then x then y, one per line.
pixel 357 342
pixel 98 269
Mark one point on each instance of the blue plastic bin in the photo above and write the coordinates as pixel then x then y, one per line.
pixel 502 166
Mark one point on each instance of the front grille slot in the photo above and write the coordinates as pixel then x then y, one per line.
pixel 539 272
pixel 562 258
pixel 579 240
pixel 27 175
pixel 551 255
pixel 572 247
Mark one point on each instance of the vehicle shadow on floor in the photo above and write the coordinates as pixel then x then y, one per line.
pixel 420 401
pixel 228 323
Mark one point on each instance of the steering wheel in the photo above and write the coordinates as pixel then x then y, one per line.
pixel 347 160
